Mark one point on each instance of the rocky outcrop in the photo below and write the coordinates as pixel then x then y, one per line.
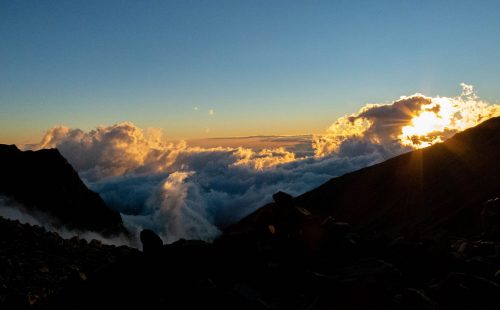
pixel 151 242
pixel 44 181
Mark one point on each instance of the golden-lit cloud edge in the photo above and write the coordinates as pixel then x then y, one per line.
pixel 410 122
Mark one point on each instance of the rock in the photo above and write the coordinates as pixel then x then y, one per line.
pixel 461 247
pixel 75 240
pixel 335 229
pixel 303 211
pixel 366 284
pixel 312 235
pixel 471 248
pixel 490 216
pixel 95 243
pixel 251 295
pixel 463 291
pixel 497 276
pixel 283 199
pixel 412 298
pixel 36 265
pixel 151 242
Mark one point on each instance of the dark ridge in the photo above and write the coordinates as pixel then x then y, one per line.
pixel 44 181
pixel 439 189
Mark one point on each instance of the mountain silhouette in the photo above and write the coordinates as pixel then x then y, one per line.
pixel 44 181
pixel 439 189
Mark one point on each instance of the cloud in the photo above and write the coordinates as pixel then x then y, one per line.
pixel 410 122
pixel 301 146
pixel 377 124
pixel 182 211
pixel 263 159
pixel 182 191
pixel 111 151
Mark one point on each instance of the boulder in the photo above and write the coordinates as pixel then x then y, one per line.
pixel 464 291
pixel 283 199
pixel 151 242
pixel 490 216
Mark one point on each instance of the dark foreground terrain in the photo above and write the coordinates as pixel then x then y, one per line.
pixel 36 264
pixel 312 264
pixel 419 231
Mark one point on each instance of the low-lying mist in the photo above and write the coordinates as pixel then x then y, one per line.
pixel 13 210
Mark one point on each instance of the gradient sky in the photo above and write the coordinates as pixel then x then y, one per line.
pixel 263 67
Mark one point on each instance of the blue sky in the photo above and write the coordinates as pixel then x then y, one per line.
pixel 263 67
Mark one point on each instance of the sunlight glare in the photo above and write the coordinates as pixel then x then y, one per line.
pixel 419 133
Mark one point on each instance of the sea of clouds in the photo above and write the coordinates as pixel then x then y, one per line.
pixel 182 191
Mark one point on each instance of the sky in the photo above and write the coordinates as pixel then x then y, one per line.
pixel 200 69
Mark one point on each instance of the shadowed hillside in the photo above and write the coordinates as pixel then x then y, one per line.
pixel 437 189
pixel 44 181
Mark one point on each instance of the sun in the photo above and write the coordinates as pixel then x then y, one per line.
pixel 423 124
pixel 422 129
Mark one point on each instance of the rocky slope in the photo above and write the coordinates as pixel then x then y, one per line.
pixel 299 262
pixel 282 266
pixel 44 181
pixel 37 264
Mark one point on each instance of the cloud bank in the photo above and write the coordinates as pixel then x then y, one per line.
pixel 410 122
pixel 182 191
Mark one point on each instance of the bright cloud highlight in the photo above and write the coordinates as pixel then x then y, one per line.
pixel 410 122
